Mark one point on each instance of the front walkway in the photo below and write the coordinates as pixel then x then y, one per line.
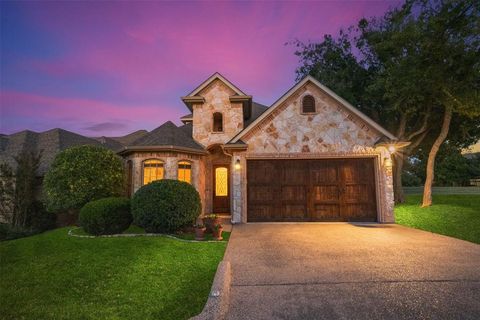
pixel 345 271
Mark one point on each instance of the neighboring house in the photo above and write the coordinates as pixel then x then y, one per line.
pixel 51 142
pixel 311 156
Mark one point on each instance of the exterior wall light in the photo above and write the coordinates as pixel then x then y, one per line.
pixel 238 166
pixel 391 148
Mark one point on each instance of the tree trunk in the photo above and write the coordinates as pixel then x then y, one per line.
pixel 427 189
pixel 399 196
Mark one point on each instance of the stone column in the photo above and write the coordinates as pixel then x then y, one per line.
pixel 171 168
pixel 237 198
pixel 137 173
pixel 389 202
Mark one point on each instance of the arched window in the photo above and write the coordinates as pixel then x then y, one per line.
pixel 185 171
pixel 152 170
pixel 217 122
pixel 308 104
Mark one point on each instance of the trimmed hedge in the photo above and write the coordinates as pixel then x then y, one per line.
pixel 165 206
pixel 82 174
pixel 106 216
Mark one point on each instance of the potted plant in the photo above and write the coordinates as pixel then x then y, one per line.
pixel 210 221
pixel 217 231
pixel 199 232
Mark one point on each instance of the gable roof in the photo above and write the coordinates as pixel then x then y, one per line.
pixel 332 94
pixel 212 78
pixel 166 136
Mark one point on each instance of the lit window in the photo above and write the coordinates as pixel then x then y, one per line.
pixel 217 122
pixel 185 171
pixel 152 171
pixel 221 181
pixel 308 104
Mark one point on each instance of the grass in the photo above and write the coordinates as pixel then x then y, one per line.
pixel 456 216
pixel 55 276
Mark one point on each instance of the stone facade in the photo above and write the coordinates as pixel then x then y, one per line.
pixel 332 129
pixel 330 132
pixel 217 99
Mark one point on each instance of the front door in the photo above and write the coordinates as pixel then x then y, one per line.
pixel 221 189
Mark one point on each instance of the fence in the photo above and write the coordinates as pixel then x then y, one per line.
pixel 443 190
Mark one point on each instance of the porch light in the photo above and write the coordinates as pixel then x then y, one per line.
pixel 391 148
pixel 238 166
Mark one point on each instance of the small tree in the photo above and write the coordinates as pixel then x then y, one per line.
pixel 81 174
pixel 26 183
pixel 7 193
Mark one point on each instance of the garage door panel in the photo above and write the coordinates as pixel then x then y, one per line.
pixel 323 173
pixel 326 212
pixel 357 193
pixel 326 193
pixel 358 212
pixel 261 193
pixel 294 193
pixel 294 212
pixel 259 213
pixel 264 172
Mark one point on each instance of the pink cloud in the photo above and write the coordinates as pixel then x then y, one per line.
pixel 82 111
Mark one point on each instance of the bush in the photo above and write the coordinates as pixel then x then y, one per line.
pixel 165 206
pixel 82 174
pixel 42 220
pixel 106 216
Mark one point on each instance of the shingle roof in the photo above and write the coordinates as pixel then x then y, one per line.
pixel 49 143
pixel 168 134
pixel 257 110
pixel 187 129
pixel 130 138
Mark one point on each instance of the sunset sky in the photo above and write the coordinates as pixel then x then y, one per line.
pixel 109 68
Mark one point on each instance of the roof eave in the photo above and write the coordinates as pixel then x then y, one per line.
pixel 131 149
pixel 191 100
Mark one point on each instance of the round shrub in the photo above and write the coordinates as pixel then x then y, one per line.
pixel 106 216
pixel 165 206
pixel 81 174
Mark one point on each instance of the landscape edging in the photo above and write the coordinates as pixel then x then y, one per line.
pixel 127 235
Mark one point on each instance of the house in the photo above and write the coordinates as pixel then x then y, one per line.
pixel 311 156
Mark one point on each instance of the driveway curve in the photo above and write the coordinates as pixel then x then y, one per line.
pixel 351 271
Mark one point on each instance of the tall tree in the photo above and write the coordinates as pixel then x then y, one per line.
pixel 419 67
pixel 354 69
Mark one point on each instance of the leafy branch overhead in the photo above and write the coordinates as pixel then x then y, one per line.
pixel 416 71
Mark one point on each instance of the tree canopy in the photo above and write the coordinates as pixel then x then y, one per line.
pixel 415 70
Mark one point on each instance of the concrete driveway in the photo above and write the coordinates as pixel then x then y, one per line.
pixel 345 271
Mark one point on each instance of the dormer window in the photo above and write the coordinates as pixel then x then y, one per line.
pixel 217 122
pixel 308 104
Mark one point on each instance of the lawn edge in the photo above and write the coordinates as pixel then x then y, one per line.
pixel 218 301
pixel 131 235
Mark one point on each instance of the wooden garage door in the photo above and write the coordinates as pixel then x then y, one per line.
pixel 311 190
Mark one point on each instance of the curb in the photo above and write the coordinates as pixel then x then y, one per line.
pixel 218 300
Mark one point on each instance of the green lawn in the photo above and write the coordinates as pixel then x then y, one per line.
pixel 55 276
pixel 452 215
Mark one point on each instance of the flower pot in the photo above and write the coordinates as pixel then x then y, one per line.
pixel 217 233
pixel 199 233
pixel 210 223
